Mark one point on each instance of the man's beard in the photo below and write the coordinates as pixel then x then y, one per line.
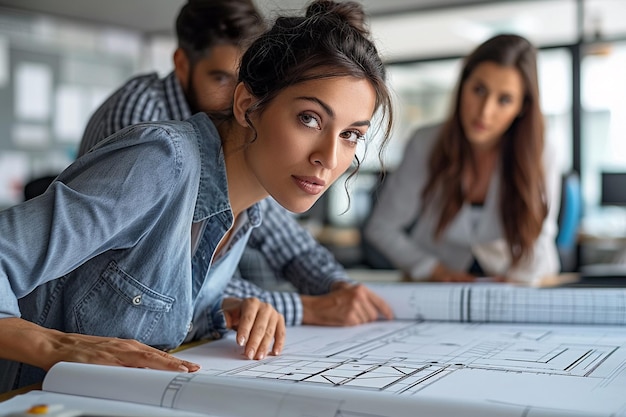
pixel 190 94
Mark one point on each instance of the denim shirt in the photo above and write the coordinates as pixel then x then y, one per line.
pixel 107 249
pixel 287 248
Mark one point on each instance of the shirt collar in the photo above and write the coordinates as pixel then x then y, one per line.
pixel 213 186
pixel 175 98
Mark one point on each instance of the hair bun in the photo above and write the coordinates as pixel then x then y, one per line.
pixel 349 12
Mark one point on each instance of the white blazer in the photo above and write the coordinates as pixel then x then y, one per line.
pixel 403 230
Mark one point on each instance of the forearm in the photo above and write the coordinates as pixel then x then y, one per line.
pixel 391 239
pixel 542 262
pixel 23 341
pixel 310 310
pixel 26 342
pixel 401 251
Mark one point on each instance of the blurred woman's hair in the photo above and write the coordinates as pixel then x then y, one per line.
pixel 523 202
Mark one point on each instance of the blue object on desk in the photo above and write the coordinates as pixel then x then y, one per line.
pixel 570 215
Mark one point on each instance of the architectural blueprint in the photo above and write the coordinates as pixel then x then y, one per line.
pixel 478 350
pixel 383 369
pixel 486 369
pixel 504 303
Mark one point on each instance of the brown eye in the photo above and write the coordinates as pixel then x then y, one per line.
pixel 480 90
pixel 352 136
pixel 505 100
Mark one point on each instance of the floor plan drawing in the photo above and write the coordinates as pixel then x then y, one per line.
pixel 538 368
pixel 218 396
pixel 398 368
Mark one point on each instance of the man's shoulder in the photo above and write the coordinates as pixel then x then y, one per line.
pixel 130 92
pixel 137 100
pixel 142 84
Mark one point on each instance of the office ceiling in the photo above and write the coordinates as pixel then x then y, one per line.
pixel 157 16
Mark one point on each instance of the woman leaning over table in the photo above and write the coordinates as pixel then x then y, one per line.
pixel 108 266
pixel 478 194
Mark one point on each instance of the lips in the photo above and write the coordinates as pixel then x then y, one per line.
pixel 310 185
pixel 479 126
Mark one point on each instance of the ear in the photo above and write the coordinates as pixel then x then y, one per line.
pixel 181 67
pixel 242 101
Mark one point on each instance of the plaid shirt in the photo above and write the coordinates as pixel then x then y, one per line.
pixel 288 249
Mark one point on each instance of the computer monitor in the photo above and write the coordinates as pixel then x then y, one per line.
pixel 613 186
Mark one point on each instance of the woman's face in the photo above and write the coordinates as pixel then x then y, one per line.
pixel 491 98
pixel 307 138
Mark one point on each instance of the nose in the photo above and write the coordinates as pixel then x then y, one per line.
pixel 487 107
pixel 325 152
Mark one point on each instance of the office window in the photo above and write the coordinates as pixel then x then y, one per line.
pixel 422 95
pixel 53 74
pixel 603 143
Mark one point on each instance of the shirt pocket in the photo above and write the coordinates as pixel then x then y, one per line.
pixel 118 305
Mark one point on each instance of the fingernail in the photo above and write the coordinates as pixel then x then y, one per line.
pixel 250 354
pixel 183 368
pixel 241 341
pixel 262 356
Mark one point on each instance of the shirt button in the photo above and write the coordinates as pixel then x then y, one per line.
pixel 189 327
pixel 137 300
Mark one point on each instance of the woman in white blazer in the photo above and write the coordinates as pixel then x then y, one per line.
pixel 477 195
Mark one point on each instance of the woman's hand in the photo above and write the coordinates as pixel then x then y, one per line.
pixel 257 324
pixel 26 342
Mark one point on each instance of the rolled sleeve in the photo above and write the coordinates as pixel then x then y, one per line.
pixel 286 303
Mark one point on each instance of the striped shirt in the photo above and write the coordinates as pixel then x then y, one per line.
pixel 288 249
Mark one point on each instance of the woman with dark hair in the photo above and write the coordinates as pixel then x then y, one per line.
pixel 128 251
pixel 212 37
pixel 477 195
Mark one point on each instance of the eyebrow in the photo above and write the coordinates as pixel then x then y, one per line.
pixel 221 72
pixel 330 111
pixel 507 93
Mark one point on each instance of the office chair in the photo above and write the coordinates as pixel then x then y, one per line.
pixel 570 215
